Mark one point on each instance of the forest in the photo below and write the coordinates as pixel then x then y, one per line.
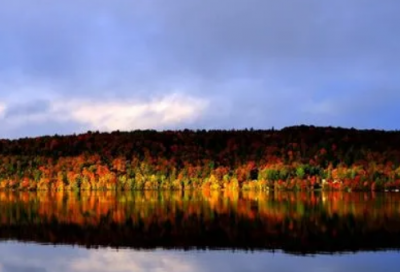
pixel 293 158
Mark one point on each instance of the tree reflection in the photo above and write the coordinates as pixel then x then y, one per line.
pixel 303 222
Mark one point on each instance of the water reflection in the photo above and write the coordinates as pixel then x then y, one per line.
pixel 16 257
pixel 296 223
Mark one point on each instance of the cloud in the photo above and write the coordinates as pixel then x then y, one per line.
pixel 254 63
pixel 2 110
pixel 172 110
pixel 166 111
pixel 20 268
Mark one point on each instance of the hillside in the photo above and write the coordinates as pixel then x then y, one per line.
pixel 303 157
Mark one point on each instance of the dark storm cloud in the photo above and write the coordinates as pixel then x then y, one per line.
pixel 255 63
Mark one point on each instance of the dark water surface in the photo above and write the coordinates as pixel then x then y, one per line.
pixel 206 231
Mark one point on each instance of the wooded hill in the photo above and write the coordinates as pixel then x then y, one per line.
pixel 294 158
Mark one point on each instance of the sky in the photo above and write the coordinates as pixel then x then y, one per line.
pixel 72 66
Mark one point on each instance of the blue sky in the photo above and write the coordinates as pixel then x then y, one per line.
pixel 72 66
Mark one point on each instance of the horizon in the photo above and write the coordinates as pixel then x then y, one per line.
pixel 201 130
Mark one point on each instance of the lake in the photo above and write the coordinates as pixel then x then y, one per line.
pixel 199 231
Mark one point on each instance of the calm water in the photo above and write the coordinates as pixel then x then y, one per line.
pixel 184 231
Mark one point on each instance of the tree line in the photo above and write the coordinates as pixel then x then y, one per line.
pixel 294 158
